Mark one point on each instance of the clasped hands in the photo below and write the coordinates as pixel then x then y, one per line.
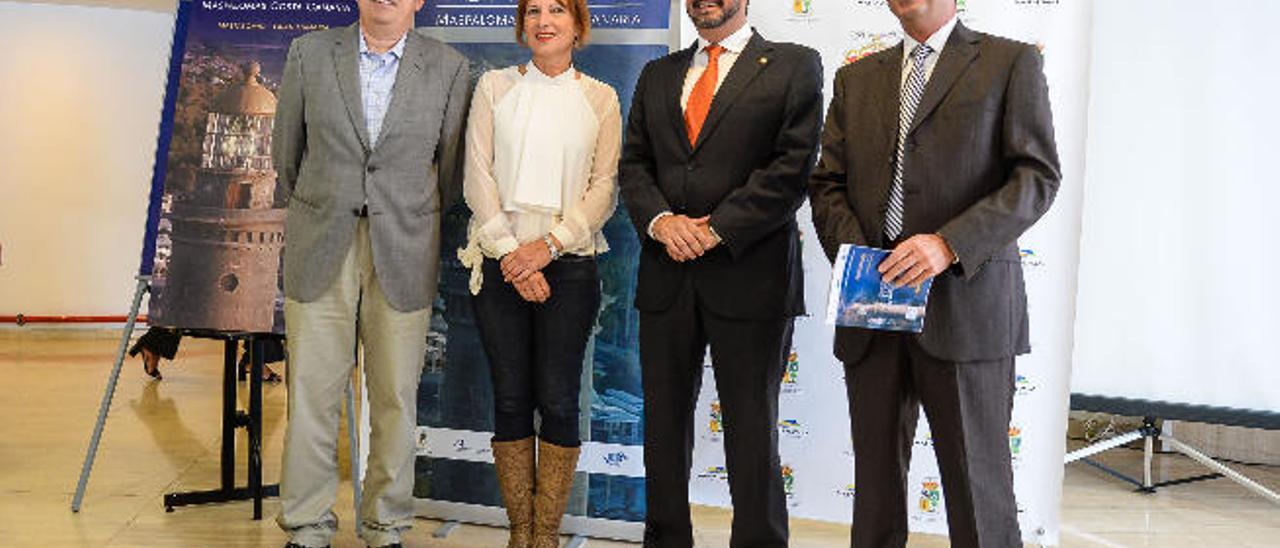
pixel 685 238
pixel 917 259
pixel 522 268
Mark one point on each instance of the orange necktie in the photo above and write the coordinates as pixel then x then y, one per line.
pixel 695 113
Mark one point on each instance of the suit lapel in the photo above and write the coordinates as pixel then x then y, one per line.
pixel 406 75
pixel 886 89
pixel 959 53
pixel 346 64
pixel 753 59
pixel 673 89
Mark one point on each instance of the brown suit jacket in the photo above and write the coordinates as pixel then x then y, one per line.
pixel 981 167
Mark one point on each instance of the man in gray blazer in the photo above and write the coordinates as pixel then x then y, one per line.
pixel 941 149
pixel 367 141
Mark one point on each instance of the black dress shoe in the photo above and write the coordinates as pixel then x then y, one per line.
pixel 393 545
pixel 293 545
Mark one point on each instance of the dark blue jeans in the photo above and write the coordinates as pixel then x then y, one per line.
pixel 535 350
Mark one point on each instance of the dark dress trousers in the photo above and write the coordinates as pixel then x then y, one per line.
pixel 980 167
pixel 748 171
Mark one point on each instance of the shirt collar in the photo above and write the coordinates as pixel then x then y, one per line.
pixel 937 41
pixel 396 50
pixel 734 43
pixel 563 78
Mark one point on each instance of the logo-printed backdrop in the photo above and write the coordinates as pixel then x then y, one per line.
pixel 813 427
pixel 454 472
pixel 226 35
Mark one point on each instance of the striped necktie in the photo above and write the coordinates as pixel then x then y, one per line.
pixel 911 93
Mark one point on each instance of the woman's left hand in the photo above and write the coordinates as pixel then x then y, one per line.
pixel 526 260
pixel 535 289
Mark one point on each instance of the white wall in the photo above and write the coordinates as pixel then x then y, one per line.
pixel 80 96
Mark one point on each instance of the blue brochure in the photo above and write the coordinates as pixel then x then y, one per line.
pixel 860 298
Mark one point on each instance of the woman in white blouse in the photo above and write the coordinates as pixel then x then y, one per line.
pixel 542 154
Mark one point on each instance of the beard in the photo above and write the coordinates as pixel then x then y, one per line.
pixel 713 21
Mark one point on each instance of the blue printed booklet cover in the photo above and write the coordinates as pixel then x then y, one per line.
pixel 860 298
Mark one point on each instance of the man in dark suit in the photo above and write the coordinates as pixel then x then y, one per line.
pixel 941 149
pixel 719 145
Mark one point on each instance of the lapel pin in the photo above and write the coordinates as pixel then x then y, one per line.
pixel 764 61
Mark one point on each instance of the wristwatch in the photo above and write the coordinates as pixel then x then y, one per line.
pixel 551 247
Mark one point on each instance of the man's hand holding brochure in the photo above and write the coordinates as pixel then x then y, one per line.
pixel 860 297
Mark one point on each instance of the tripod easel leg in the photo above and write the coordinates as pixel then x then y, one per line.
pixel 1148 432
pixel 144 284
pixel 1148 454
pixel 1218 467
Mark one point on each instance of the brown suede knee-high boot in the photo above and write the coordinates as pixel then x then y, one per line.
pixel 515 463
pixel 556 466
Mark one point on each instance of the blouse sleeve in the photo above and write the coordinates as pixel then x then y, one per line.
pixel 480 189
pixel 583 219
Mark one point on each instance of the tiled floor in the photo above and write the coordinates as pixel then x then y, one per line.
pixel 163 436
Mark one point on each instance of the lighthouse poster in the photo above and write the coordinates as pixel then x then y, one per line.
pixel 218 229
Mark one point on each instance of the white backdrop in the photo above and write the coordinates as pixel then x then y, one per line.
pixel 814 427
pixel 1182 123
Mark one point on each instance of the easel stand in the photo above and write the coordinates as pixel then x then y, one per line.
pixel 144 285
pixel 1149 433
pixel 232 418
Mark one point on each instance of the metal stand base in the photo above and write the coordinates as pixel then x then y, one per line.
pixel 232 419
pixel 213 496
pixel 1149 434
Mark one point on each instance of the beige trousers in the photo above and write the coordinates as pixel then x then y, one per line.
pixel 322 337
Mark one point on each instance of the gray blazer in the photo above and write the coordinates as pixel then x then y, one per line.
pixel 981 168
pixel 323 158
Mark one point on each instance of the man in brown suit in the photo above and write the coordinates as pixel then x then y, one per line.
pixel 941 149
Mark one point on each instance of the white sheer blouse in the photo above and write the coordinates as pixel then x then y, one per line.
pixel 542 158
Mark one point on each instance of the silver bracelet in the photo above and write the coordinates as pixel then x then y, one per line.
pixel 551 247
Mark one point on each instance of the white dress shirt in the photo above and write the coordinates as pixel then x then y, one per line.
pixel 733 46
pixel 937 42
